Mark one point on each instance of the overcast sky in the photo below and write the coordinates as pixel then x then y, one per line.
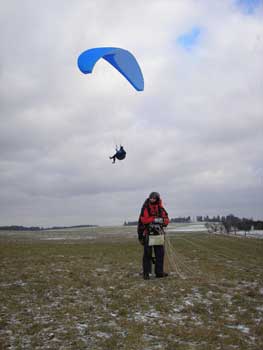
pixel 195 134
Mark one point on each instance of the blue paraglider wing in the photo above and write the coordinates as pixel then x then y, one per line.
pixel 121 59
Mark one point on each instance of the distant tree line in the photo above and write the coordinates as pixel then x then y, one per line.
pixel 20 228
pixel 206 218
pixel 37 228
pixel 232 222
pixel 243 224
pixel 181 219
pixel 174 220
pixel 130 223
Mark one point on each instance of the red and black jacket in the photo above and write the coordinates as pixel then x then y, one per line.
pixel 148 213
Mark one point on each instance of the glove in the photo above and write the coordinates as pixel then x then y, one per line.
pixel 158 220
pixel 142 240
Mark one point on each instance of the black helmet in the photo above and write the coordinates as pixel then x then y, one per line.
pixel 155 195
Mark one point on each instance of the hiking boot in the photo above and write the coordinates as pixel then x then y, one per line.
pixel 146 276
pixel 160 275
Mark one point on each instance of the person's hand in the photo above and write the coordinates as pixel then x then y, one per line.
pixel 158 220
pixel 141 240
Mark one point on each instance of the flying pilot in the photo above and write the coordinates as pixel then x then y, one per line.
pixel 120 154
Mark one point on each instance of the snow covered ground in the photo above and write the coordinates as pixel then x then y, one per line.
pixel 188 228
pixel 254 233
pixel 199 227
pixel 82 289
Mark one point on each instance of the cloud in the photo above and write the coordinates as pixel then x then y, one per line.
pixel 194 134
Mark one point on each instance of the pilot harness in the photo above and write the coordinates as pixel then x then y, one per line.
pixel 155 231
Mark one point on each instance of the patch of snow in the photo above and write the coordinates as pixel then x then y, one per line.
pixel 209 293
pixel 18 283
pixel 152 314
pixel 138 316
pixel 100 269
pixel 66 237
pixel 178 308
pixel 188 303
pixel 239 327
pixel 228 298
pixel 82 328
pixel 100 290
pixel 103 335
pixel 252 233
pixel 188 228
pixel 231 317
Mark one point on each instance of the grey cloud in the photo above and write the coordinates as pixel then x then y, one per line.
pixel 194 134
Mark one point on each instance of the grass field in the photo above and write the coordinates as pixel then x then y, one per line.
pixel 82 290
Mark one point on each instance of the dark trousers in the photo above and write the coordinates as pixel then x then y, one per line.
pixel 147 258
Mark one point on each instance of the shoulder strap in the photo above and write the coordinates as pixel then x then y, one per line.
pixel 162 209
pixel 145 206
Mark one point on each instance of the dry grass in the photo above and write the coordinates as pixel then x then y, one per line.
pixel 85 292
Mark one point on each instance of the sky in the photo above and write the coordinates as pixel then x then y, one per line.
pixel 195 134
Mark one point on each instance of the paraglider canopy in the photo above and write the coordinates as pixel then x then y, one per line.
pixel 119 58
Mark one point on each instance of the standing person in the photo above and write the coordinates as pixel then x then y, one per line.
pixel 152 219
